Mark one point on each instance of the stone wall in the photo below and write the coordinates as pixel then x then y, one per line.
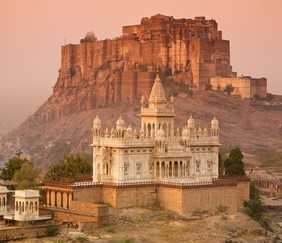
pixel 170 198
pixel 245 87
pixel 136 196
pixel 92 195
pixel 82 212
pixel 19 233
pixel 229 193
pixel 210 197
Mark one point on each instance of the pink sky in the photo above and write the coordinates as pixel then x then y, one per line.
pixel 32 32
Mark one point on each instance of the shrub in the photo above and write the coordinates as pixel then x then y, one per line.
pixel 254 208
pixel 208 86
pixel 221 209
pixel 110 229
pixel 82 238
pixel 52 230
pixel 229 89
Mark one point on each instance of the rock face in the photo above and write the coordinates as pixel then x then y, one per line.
pixel 96 73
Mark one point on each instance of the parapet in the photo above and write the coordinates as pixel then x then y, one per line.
pixel 27 193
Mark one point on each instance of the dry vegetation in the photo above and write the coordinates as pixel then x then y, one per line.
pixel 153 226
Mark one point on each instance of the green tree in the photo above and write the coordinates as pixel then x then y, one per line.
pixel 26 176
pixel 71 166
pixel 234 165
pixel 11 166
pixel 229 89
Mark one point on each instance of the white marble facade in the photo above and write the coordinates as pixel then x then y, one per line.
pixel 157 152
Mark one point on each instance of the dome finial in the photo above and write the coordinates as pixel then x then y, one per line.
pixel 120 124
pixel 97 124
pixel 158 94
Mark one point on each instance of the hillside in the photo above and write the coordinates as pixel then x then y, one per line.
pixel 256 128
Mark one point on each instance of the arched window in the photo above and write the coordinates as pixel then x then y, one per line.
pixel 126 169
pixel 169 130
pixel 187 168
pixel 198 166
pixel 165 129
pixel 17 206
pixel 209 165
pixel 107 169
pixel 31 207
pixel 149 130
pixel 181 169
pixel 163 169
pixel 170 169
pixel 36 207
pixel 175 172
pixel 4 201
pixel 157 169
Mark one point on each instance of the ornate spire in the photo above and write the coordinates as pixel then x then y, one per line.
pixel 158 94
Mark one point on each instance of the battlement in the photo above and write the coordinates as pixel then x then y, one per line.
pixel 187 28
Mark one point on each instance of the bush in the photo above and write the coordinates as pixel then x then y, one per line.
pixel 222 209
pixel 82 238
pixel 229 89
pixel 208 86
pixel 110 229
pixel 254 208
pixel 52 230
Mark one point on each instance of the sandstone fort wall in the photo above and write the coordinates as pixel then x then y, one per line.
pixel 245 87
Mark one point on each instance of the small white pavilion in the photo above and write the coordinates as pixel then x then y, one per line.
pixel 3 200
pixel 26 206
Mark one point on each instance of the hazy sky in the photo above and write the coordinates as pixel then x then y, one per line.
pixel 32 32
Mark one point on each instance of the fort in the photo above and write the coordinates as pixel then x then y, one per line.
pixel 97 73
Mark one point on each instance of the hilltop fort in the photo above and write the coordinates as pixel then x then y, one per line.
pixel 97 73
